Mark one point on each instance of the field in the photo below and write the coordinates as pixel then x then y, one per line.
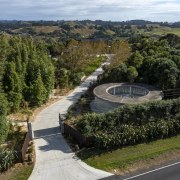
pixel 161 30
pixel 74 30
pixel 166 30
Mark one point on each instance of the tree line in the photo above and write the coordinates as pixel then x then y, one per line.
pixel 152 61
pixel 27 73
pixel 31 68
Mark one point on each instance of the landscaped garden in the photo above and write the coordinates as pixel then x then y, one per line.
pixel 134 133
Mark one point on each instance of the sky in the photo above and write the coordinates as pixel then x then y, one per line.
pixel 113 10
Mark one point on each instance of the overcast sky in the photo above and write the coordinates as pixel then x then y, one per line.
pixel 114 10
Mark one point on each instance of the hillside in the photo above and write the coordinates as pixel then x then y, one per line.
pixel 79 30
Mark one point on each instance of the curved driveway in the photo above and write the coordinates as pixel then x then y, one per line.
pixel 54 158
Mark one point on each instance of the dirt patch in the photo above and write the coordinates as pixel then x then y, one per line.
pixel 148 164
pixel 30 114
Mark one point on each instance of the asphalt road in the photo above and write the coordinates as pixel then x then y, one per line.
pixel 169 172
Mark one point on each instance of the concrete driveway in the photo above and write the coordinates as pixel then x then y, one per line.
pixel 54 158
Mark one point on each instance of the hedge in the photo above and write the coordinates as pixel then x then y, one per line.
pixel 132 124
pixel 130 135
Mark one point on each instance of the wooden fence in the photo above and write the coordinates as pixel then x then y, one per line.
pixel 21 155
pixel 77 136
pixel 25 146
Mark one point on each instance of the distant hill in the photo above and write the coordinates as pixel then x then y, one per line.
pixel 87 29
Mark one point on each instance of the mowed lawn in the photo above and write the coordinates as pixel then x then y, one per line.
pixel 122 158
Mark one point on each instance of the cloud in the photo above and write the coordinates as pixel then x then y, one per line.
pixel 90 9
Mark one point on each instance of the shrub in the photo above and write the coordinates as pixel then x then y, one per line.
pixel 130 113
pixel 130 134
pixel 132 124
pixel 3 104
pixel 4 129
pixel 6 160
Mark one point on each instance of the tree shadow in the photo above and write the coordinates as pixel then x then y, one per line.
pixel 46 132
pixel 54 140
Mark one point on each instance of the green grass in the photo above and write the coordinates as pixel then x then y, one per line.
pixel 161 31
pixel 122 158
pixel 19 173
pixel 166 30
pixel 24 173
pixel 93 65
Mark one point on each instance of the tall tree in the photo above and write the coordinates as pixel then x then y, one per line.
pixel 38 91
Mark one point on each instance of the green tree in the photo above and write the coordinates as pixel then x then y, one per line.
pixel 12 86
pixel 132 74
pixel 118 74
pixel 166 72
pixel 47 73
pixel 136 59
pixel 38 91
pixel 4 128
pixel 3 122
pixel 3 104
pixel 14 99
pixel 63 78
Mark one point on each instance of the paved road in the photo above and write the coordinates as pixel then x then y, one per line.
pixel 169 172
pixel 54 158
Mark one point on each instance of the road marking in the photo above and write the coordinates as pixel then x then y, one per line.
pixel 153 170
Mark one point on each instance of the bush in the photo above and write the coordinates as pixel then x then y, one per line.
pixel 130 134
pixel 4 129
pixel 130 113
pixel 132 124
pixel 3 104
pixel 6 160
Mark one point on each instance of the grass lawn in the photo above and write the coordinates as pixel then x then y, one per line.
pixel 18 173
pixel 123 158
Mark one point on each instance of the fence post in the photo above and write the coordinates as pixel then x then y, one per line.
pixel 30 131
pixel 61 123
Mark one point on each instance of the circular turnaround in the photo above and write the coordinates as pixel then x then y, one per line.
pixel 110 96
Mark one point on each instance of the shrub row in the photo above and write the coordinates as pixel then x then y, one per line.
pixel 137 114
pixel 130 134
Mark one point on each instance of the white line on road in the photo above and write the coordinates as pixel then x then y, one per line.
pixel 153 170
